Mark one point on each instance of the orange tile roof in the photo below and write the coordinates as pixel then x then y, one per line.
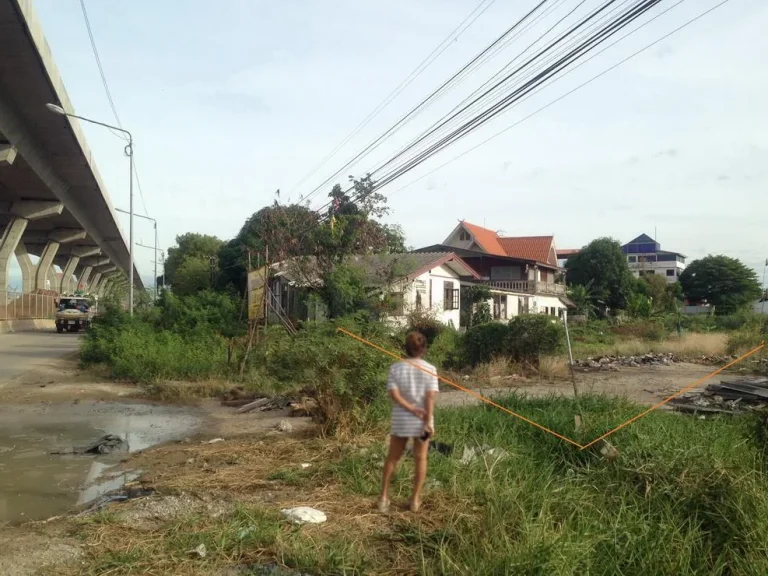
pixel 536 248
pixel 487 239
pixel 567 252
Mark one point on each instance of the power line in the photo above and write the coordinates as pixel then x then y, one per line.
pixel 467 110
pixel 579 87
pixel 442 47
pixel 430 99
pixel 109 96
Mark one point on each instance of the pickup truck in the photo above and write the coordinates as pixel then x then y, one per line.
pixel 75 313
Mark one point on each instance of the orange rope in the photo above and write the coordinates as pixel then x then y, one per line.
pixel 660 404
pixel 459 387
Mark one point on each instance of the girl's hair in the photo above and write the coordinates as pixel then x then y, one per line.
pixel 415 344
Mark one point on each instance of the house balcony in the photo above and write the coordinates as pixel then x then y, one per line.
pixel 528 287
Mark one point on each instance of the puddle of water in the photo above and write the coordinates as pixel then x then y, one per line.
pixel 35 484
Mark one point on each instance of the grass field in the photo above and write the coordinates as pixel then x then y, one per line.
pixel 687 496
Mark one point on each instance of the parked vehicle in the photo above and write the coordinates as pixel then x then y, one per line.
pixel 75 313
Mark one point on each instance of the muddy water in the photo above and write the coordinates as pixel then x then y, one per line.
pixel 35 484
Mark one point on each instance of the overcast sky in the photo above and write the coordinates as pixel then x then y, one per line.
pixel 229 101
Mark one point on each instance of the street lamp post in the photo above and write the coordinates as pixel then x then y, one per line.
pixel 154 222
pixel 162 255
pixel 128 152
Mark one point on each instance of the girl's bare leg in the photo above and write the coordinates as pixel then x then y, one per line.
pixel 396 448
pixel 420 453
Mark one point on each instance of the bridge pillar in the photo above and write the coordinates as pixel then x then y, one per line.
pixel 45 267
pixel 83 275
pixel 8 242
pixel 27 268
pixel 67 276
pixel 93 285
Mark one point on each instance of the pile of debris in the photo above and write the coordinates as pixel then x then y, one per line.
pixel 614 362
pixel 727 397
pixel 247 402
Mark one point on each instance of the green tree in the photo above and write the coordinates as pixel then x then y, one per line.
pixel 191 245
pixel 582 298
pixel 287 230
pixel 602 266
pixel 343 290
pixel 192 276
pixel 724 282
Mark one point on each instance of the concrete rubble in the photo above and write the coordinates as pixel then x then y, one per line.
pixel 732 396
pixel 615 362
pixel 304 515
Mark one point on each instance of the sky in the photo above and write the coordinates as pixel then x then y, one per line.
pixel 230 101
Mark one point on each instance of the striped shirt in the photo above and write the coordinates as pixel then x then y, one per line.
pixel 413 384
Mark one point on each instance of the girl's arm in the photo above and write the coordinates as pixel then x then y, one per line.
pixel 429 416
pixel 398 399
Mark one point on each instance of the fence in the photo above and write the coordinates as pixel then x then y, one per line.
pixel 21 306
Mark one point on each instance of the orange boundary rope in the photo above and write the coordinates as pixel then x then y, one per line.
pixel 667 399
pixel 537 425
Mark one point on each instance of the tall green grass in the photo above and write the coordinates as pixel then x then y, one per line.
pixel 687 496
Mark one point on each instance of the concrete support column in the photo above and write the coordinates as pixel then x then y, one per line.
pixel 67 276
pixel 95 283
pixel 8 242
pixel 104 286
pixel 27 268
pixel 83 276
pixel 45 265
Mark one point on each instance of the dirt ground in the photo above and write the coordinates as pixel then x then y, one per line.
pixel 645 385
pixel 60 383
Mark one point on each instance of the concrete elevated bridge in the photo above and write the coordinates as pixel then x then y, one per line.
pixel 53 203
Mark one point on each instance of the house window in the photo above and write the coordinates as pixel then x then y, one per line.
pixel 670 272
pixel 499 306
pixel 506 273
pixel 397 303
pixel 632 258
pixel 464 236
pixel 419 303
pixel 450 297
pixel 522 305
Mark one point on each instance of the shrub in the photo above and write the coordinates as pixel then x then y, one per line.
pixel 426 323
pixel 484 342
pixel 744 340
pixel 533 335
pixel 447 351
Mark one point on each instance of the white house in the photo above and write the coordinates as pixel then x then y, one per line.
pixel 521 271
pixel 412 282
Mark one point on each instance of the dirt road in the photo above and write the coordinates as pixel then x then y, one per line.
pixel 23 351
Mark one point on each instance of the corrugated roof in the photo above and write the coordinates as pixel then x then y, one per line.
pixel 377 268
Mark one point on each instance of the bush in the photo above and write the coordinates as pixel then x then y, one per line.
pixel 484 342
pixel 426 323
pixel 531 336
pixel 347 378
pixel 524 339
pixel 743 341
pixel 447 351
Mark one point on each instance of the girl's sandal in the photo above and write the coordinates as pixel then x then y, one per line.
pixel 414 506
pixel 383 506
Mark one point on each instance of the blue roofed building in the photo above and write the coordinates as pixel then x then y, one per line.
pixel 645 256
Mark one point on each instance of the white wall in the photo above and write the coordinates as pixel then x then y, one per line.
pixel 658 268
pixel 536 304
pixel 438 276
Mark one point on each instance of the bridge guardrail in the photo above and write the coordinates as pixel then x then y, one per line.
pixel 27 306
